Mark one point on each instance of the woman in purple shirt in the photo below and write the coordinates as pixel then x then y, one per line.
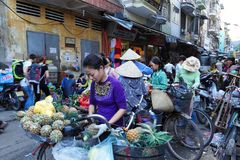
pixel 106 94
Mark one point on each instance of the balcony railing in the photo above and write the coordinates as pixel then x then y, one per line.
pixel 212 30
pixel 213 12
pixel 201 4
pixel 188 6
pixel 154 3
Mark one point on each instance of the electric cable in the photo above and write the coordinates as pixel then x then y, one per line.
pixel 47 23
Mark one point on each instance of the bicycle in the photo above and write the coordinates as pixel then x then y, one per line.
pixel 186 135
pixel 202 120
pixel 227 149
pixel 45 146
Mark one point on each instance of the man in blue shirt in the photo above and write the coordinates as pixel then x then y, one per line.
pixel 68 85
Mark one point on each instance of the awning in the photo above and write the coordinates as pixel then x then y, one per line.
pixel 196 47
pixel 126 24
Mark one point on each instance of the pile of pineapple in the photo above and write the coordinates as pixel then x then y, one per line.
pixel 146 136
pixel 43 120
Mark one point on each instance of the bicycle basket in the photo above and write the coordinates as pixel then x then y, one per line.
pixel 181 98
pixel 121 152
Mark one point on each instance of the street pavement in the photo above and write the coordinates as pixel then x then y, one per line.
pixel 15 145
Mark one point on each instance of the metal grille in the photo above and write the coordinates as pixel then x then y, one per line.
pixel 54 15
pixel 96 25
pixel 28 9
pixel 81 22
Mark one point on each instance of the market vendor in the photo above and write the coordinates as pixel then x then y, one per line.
pixel 135 90
pixel 158 79
pixel 106 93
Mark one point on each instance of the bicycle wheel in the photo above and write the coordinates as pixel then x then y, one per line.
pixel 184 130
pixel 206 128
pixel 201 106
pixel 45 153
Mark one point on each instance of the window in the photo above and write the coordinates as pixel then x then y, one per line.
pixel 28 9
pixel 81 22
pixel 54 15
pixel 166 10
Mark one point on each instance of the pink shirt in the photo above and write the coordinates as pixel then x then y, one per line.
pixel 111 72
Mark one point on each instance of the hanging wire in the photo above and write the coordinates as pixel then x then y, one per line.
pixel 47 23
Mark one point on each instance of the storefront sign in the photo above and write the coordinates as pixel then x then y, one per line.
pixel 158 40
pixel 116 30
pixel 70 42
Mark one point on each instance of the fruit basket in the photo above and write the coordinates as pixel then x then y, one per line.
pixel 122 152
pixel 143 142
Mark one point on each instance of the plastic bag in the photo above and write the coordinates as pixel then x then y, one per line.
pixel 84 101
pixel 68 150
pixel 6 77
pixel 103 149
pixel 218 138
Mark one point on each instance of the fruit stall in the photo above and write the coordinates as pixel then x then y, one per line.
pixel 48 121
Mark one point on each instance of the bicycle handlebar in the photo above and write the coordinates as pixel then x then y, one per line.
pixel 96 116
pixel 234 87
pixel 230 74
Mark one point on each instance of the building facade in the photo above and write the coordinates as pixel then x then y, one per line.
pixel 66 31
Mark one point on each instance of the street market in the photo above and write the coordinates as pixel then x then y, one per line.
pixel 119 80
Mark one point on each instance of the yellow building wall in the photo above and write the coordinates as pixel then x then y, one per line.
pixel 19 27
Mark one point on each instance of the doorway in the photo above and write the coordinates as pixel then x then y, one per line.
pixel 44 44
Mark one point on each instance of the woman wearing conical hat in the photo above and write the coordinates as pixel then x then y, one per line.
pixel 189 72
pixel 131 79
pixel 189 75
pixel 130 55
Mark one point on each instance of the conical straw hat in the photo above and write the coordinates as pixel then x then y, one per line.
pixel 191 64
pixel 129 69
pixel 130 55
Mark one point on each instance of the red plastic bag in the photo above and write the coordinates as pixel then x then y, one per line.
pixel 84 101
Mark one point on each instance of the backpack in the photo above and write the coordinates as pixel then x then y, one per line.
pixel 17 69
pixel 34 73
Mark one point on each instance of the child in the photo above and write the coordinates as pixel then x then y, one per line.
pixel 68 85
pixel 52 90
pixel 82 83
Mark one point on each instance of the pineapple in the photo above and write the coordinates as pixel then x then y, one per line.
pixel 29 113
pixel 73 113
pixel 73 110
pixel 58 116
pixel 35 128
pixel 66 122
pixel 31 109
pixel 65 109
pixel 56 136
pixel 26 125
pixel 46 120
pixel 151 137
pixel 46 130
pixel 58 124
pixel 21 114
pixel 25 119
pixel 37 118
pixel 133 134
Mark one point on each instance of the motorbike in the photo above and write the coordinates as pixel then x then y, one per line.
pixel 207 92
pixel 9 96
